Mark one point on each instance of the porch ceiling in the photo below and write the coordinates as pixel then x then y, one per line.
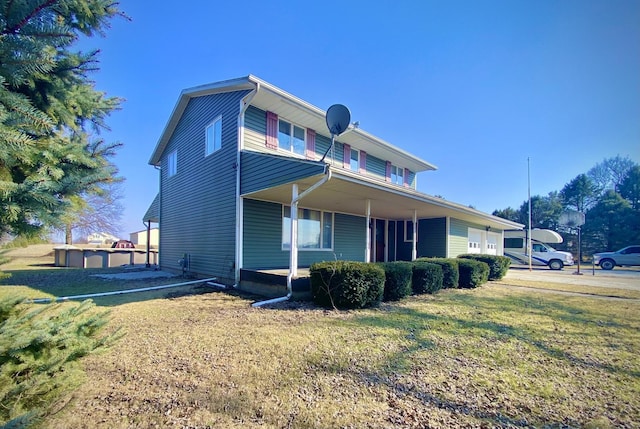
pixel 348 193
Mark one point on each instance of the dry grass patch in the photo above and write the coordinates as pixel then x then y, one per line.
pixel 488 357
pixel 574 288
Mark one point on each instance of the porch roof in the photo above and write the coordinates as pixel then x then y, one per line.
pixel 348 192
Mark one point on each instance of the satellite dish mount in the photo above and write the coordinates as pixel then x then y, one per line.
pixel 338 120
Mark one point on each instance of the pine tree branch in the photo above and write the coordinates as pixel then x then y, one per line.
pixel 25 20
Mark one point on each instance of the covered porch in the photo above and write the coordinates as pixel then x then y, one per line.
pixel 389 215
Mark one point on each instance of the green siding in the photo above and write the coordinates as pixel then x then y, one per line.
pixel 458 237
pixel 262 171
pixel 403 248
pixel 256 119
pixel 432 237
pixel 197 205
pixel 322 144
pixel 376 167
pixel 412 179
pixel 262 236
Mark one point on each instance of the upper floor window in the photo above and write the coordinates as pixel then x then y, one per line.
pixel 291 137
pixel 213 136
pixel 172 163
pixel 397 175
pixel 355 160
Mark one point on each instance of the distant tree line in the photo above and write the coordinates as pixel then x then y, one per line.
pixel 609 196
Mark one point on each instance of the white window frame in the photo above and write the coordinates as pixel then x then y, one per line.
pixel 322 226
pixel 212 147
pixel 172 163
pixel 397 175
pixel 291 134
pixel 408 231
pixel 354 167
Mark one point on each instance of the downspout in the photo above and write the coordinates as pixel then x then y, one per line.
pixel 244 104
pixel 293 255
pixel 367 240
pixel 414 247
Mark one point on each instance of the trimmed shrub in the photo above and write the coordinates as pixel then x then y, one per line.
pixel 346 284
pixel 472 273
pixel 498 265
pixel 450 274
pixel 426 278
pixel 397 283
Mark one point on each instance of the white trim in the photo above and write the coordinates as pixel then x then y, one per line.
pixel 406 238
pixel 367 248
pixel 206 140
pixel 309 249
pixel 447 236
pixel 351 152
pixel 292 130
pixel 172 163
pixel 239 251
pixel 414 246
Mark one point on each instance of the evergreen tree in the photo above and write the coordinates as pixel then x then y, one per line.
pixel 610 224
pixel 630 187
pixel 508 213
pixel 39 349
pixel 545 211
pixel 50 111
pixel 580 194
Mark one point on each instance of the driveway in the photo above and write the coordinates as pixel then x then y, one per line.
pixel 620 278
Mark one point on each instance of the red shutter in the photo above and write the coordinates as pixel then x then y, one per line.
pixel 346 162
pixel 388 172
pixel 406 177
pixel 311 144
pixel 272 131
pixel 363 161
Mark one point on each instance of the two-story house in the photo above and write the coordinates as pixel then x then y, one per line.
pixel 236 156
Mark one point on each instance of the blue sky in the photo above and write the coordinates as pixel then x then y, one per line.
pixel 474 87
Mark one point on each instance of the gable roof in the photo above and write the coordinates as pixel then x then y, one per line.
pixel 271 98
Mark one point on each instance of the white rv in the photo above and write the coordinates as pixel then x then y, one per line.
pixel 515 247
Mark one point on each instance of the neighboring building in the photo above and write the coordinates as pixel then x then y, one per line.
pixel 139 238
pixel 101 239
pixel 233 155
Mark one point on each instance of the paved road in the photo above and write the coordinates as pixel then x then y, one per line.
pixel 621 278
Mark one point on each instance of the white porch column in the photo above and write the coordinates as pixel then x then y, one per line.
pixel 414 249
pixel 483 241
pixel 293 254
pixel 367 250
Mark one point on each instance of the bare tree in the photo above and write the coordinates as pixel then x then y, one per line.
pixel 96 212
pixel 610 173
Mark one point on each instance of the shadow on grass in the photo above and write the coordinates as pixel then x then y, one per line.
pixel 474 320
pixel 65 282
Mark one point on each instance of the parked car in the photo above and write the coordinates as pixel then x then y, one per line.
pixel 626 256
pixel 123 244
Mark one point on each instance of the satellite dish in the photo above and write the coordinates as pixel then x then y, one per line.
pixel 338 119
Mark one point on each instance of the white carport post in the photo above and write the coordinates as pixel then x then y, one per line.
pixel 293 247
pixel 367 250
pixel 414 249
